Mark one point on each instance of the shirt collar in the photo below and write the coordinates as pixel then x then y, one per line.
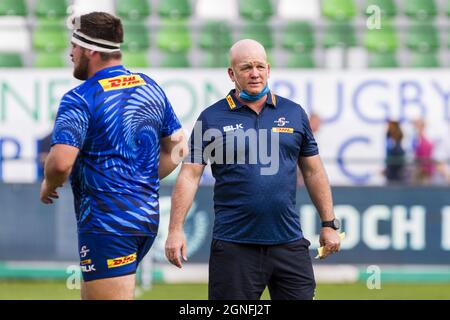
pixel 234 103
pixel 106 72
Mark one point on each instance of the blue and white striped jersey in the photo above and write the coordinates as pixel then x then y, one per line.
pixel 116 118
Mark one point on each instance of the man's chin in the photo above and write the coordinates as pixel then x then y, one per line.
pixel 80 76
pixel 253 92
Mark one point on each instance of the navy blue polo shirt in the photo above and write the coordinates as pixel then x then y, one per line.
pixel 253 159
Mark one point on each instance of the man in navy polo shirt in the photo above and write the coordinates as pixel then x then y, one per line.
pixel 254 141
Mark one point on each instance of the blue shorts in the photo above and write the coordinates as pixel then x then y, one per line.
pixel 107 256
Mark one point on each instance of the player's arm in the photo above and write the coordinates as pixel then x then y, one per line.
pixel 173 149
pixel 316 182
pixel 182 197
pixel 58 166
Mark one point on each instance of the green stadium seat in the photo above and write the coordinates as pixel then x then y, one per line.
pixel 339 9
pixel 51 9
pixel 339 34
pixel 10 60
pixel 175 60
pixel 382 40
pixel 174 36
pixel 383 60
pixel 424 60
pixel 298 36
pixel 422 37
pixel 301 60
pixel 49 60
pixel 50 36
pixel 136 35
pixel 136 59
pixel 256 10
pixel 215 35
pixel 213 59
pixel 420 9
pixel 388 7
pixel 133 9
pixel 174 9
pixel 260 32
pixel 13 8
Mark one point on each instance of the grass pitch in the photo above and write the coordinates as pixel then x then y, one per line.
pixel 54 290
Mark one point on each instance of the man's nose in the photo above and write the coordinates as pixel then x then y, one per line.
pixel 254 73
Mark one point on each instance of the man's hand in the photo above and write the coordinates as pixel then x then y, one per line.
pixel 47 194
pixel 329 239
pixel 176 248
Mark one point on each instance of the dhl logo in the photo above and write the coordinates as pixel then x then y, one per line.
pixel 121 82
pixel 231 102
pixel 121 261
pixel 283 130
pixel 85 262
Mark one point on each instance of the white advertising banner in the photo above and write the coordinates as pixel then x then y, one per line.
pixel 354 107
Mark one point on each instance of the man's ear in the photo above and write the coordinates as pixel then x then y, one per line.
pixel 231 74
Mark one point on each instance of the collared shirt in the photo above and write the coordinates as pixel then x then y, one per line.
pixel 116 118
pixel 254 161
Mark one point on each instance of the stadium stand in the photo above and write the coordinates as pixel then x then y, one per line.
pixel 51 9
pixel 197 33
pixel 174 9
pixel 257 10
pixel 388 8
pixel 133 9
pixel 290 10
pixel 13 8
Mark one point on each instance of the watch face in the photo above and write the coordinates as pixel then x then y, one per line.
pixel 336 223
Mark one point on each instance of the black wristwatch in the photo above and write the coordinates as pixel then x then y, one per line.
pixel 334 224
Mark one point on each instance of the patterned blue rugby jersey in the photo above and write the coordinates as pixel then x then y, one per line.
pixel 116 118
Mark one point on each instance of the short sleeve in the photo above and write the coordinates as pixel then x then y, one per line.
pixel 196 143
pixel 72 121
pixel 309 145
pixel 170 122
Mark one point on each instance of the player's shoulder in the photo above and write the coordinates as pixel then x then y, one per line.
pixel 145 77
pixel 76 94
pixel 150 83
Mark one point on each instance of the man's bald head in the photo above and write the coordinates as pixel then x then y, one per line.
pixel 247 49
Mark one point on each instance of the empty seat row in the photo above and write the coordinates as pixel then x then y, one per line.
pixel 256 10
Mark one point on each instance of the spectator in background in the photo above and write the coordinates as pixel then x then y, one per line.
pixel 395 154
pixel 441 156
pixel 315 122
pixel 424 167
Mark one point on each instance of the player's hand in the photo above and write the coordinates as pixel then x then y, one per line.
pixel 329 239
pixel 176 248
pixel 47 195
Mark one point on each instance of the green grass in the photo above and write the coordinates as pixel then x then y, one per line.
pixel 49 290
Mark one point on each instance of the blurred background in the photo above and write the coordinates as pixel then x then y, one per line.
pixel 371 74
